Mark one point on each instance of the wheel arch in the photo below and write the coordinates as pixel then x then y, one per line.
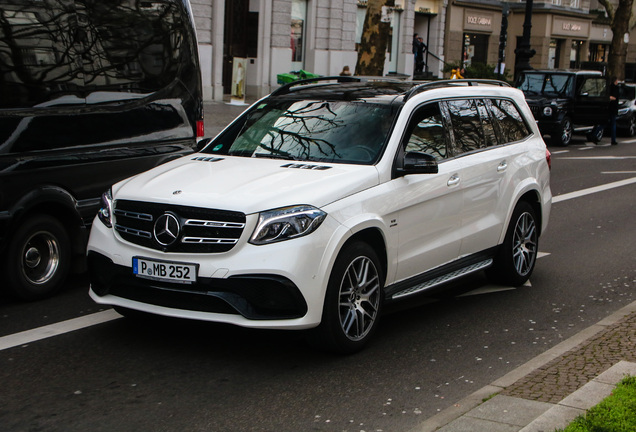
pixel 51 201
pixel 374 237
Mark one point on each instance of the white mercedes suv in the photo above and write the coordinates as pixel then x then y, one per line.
pixel 324 201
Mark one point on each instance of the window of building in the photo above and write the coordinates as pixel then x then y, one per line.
pixel 475 49
pixel 554 52
pixel 575 54
pixel 298 31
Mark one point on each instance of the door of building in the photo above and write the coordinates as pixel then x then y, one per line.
pixel 240 37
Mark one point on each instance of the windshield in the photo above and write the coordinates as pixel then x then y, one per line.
pixel 325 131
pixel 545 84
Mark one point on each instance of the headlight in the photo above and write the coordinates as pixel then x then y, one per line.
pixel 547 111
pixel 623 111
pixel 286 223
pixel 106 208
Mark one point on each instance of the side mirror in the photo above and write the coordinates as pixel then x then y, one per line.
pixel 419 163
pixel 202 143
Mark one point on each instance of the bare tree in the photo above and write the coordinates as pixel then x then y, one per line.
pixel 620 17
pixel 375 36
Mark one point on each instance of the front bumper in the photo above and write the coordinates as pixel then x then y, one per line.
pixel 278 286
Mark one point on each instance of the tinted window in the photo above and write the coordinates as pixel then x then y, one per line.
pixel 467 129
pixel 490 138
pixel 38 61
pixel 131 47
pixel 426 133
pixel 510 122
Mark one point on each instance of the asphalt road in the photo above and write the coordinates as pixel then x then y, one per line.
pixel 166 375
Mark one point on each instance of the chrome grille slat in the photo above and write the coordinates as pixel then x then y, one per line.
pixel 214 224
pixel 209 240
pixel 134 215
pixel 135 232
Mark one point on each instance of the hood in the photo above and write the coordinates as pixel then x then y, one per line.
pixel 248 185
pixel 539 100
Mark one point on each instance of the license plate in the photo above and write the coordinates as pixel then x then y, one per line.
pixel 178 272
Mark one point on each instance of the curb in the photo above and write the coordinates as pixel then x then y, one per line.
pixel 476 399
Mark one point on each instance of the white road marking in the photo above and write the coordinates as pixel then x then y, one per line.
pixel 592 190
pixel 48 331
pixel 559 152
pixel 599 157
pixel 618 172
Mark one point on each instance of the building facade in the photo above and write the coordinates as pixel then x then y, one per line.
pixel 255 40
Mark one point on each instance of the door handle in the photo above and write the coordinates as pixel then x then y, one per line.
pixel 502 166
pixel 453 181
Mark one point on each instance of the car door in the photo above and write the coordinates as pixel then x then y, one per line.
pixel 428 206
pixel 591 101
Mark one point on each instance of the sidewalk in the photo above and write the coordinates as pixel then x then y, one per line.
pixel 217 115
pixel 552 389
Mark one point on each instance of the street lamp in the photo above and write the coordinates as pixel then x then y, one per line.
pixel 524 52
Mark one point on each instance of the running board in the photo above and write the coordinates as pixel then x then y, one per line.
pixel 443 279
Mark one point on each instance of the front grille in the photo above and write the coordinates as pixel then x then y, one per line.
pixel 201 230
pixel 536 110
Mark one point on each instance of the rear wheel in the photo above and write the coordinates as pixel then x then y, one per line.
pixel 517 255
pixel 353 300
pixel 38 258
pixel 631 127
pixel 596 135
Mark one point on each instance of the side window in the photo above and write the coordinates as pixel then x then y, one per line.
pixel 594 87
pixel 510 123
pixel 467 129
pixel 490 138
pixel 37 55
pixel 426 133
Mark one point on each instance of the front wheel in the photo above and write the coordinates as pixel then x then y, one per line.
pixel 38 258
pixel 517 255
pixel 353 300
pixel 563 135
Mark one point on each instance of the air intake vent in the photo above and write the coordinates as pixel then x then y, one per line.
pixel 306 166
pixel 207 158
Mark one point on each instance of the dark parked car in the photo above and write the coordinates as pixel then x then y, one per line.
pixel 91 92
pixel 567 101
pixel 626 119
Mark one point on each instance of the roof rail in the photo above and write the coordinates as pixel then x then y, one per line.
pixel 453 82
pixel 285 89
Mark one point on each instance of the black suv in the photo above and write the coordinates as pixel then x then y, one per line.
pixel 91 92
pixel 567 101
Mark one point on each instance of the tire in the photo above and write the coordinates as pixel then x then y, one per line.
pixel 596 135
pixel 353 301
pixel 517 256
pixel 563 135
pixel 631 127
pixel 38 258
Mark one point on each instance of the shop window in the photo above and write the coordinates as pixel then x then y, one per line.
pixel 475 49
pixel 554 52
pixel 575 54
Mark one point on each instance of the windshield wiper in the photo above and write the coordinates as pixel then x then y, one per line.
pixel 285 156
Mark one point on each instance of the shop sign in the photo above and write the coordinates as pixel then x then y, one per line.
pixel 426 6
pixel 478 20
pixel 570 27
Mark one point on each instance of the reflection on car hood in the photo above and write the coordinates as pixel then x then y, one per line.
pixel 248 185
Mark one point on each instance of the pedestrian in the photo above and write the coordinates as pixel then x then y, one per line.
pixel 419 56
pixel 613 108
pixel 456 73
pixel 345 71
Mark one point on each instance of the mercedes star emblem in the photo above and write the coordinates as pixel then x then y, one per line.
pixel 166 229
